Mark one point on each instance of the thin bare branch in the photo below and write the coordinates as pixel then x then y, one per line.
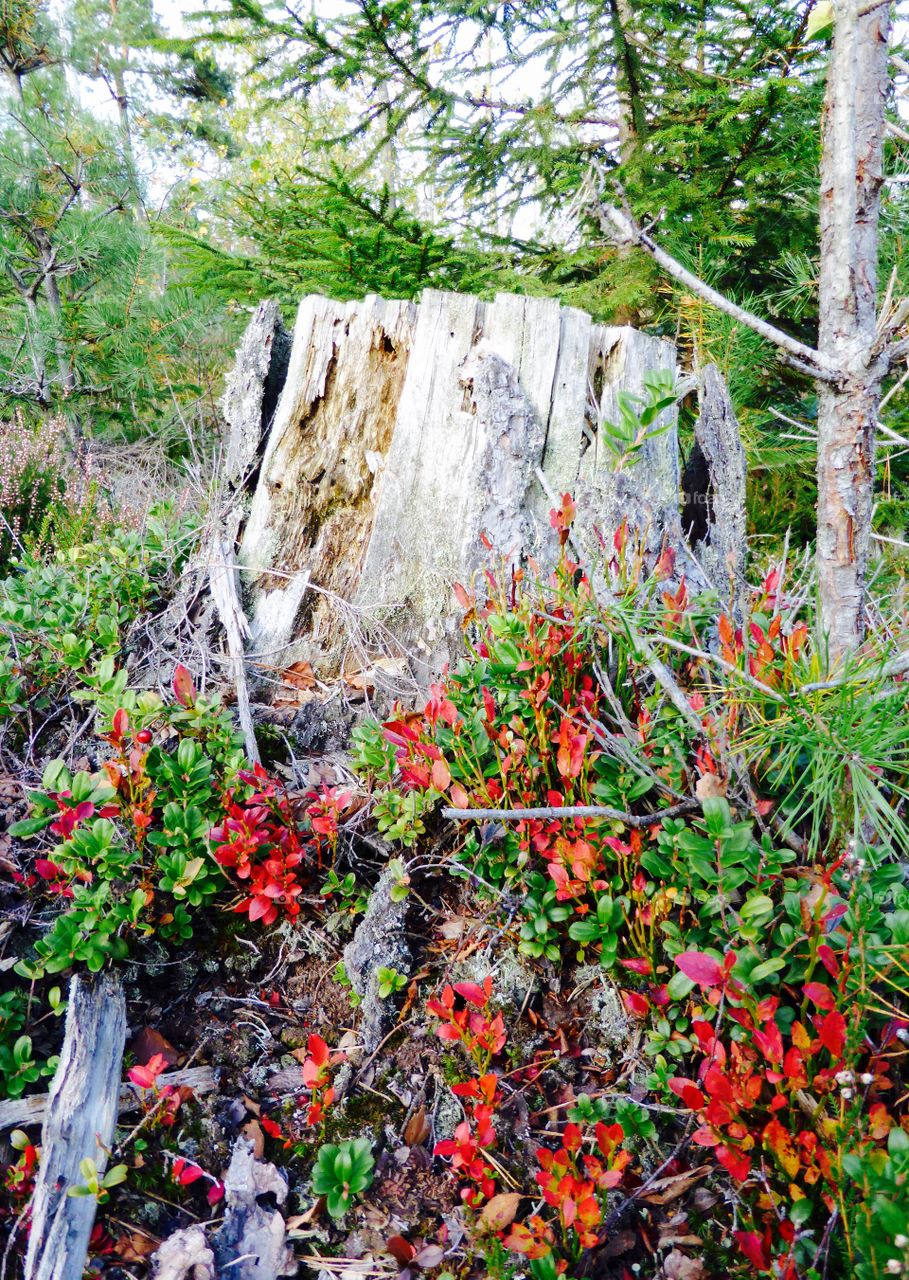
pixel 547 812
pixel 622 227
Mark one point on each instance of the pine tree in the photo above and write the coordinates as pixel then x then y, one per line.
pixel 90 319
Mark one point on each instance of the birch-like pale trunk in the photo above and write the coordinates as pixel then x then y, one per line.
pixel 851 179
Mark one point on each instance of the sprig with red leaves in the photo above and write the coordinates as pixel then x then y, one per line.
pixel 779 1099
pixel 574 1183
pixel 160 1102
pixel 317 1078
pixel 186 1172
pixel 473 1136
pixel 474 1023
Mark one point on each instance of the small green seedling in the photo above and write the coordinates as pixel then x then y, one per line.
pixel 95 1183
pixel 343 1171
pixel 390 982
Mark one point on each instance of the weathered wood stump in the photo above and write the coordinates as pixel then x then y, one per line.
pixel 405 434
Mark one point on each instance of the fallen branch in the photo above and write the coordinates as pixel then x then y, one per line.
pixel 635 820
pixel 223 581
pixel 32 1110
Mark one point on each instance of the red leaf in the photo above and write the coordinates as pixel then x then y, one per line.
pixel 770 1042
pixel 752 1245
pixel 120 722
pixel 400 1249
pixel 459 797
pixel 259 907
pixel 441 775
pixel 472 993
pixel 636 1004
pixel 188 1173
pixel 317 1050
pixel 822 996
pixel 688 1092
pixel 700 968
pixel 642 966
pixel 184 689
pixel 832 1031
pixel 734 1162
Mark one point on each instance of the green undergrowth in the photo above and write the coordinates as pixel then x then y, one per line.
pixel 738 888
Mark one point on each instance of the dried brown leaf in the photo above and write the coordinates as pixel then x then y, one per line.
pixel 252 1131
pixel 499 1212
pixel 417 1129
pixel 678 1266
pixel 666 1189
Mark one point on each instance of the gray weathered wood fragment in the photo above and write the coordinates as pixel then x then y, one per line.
pixel 379 942
pixel 79 1125
pixel 251 1243
pixel 32 1110
pixel 185 1255
pixel 223 579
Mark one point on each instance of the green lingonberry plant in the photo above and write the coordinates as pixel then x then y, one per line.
pixel 342 1172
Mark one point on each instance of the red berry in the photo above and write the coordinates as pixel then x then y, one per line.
pixel 144 736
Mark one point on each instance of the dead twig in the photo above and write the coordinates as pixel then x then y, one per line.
pixel 634 820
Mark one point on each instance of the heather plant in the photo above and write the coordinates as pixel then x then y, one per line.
pixel 34 472
pixel 171 824
pixel 64 616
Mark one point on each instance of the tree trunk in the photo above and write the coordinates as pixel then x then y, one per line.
pixel 851 178
pixel 632 114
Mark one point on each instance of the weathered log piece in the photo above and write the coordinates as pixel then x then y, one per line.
pixel 251 1243
pixel 32 1110
pixel 186 1255
pixel 379 942
pixel 79 1125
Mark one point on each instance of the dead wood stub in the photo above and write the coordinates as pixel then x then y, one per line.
pixel 79 1125
pixel 714 490
pixel 251 1243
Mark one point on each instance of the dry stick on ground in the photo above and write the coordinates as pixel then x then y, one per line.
pixel 574 811
pixel 32 1110
pixel 222 578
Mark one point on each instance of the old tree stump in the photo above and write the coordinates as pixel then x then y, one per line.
pixel 403 432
